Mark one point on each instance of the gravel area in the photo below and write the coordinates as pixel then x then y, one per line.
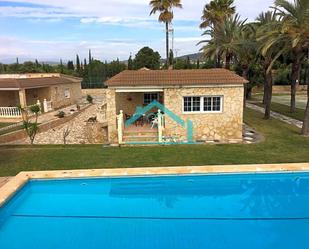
pixel 80 131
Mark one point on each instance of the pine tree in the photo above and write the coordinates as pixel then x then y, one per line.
pixel 198 64
pixel 130 63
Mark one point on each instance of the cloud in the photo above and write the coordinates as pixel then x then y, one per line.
pixel 116 12
pixel 55 49
pixel 130 22
pixel 113 28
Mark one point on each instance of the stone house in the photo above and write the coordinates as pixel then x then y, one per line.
pixel 210 101
pixel 51 90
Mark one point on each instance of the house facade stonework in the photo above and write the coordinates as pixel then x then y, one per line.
pixel 211 99
pixel 225 125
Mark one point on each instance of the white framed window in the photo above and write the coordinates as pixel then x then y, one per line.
pixel 67 94
pixel 202 104
pixel 149 97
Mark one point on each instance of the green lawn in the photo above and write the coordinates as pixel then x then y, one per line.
pixel 282 144
pixel 285 110
pixel 5 124
pixel 16 128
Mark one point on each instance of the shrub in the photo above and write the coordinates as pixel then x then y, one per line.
pixel 89 99
pixel 60 114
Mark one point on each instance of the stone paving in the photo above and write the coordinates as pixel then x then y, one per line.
pixel 251 136
pixel 80 131
pixel 3 180
pixel 276 115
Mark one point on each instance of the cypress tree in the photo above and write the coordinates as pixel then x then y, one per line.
pixel 61 66
pixel 130 63
pixel 78 66
pixel 90 57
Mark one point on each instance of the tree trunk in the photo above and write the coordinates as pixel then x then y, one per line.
pixel 167 46
pixel 295 79
pixel 305 128
pixel 227 61
pixel 218 60
pixel 266 90
pixel 245 71
pixel 268 96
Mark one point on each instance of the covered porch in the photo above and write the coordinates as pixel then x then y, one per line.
pixel 132 101
pixel 10 99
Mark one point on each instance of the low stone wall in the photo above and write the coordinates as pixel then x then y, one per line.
pixel 10 120
pixel 100 92
pixel 21 134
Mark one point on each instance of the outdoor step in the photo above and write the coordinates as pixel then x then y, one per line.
pixel 143 133
pixel 140 138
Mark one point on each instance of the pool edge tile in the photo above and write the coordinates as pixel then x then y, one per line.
pixel 14 184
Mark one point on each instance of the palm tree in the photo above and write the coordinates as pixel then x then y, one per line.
pixel 265 22
pixel 214 14
pixel 292 36
pixel 224 39
pixel 165 8
pixel 245 52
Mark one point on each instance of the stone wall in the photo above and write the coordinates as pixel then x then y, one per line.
pixel 111 115
pixel 225 126
pixel 21 134
pixel 100 92
pixel 57 95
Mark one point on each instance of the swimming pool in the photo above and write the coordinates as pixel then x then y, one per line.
pixel 187 212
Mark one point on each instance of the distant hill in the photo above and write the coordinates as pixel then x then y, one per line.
pixel 193 57
pixel 22 60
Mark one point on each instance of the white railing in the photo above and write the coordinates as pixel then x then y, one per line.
pixel 120 127
pixel 47 106
pixel 10 112
pixel 160 126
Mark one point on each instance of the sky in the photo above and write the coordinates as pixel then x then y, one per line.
pixel 48 30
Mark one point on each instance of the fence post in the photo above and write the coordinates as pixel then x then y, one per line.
pixel 120 126
pixel 45 105
pixel 160 126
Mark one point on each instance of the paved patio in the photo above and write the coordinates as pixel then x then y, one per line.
pixel 4 180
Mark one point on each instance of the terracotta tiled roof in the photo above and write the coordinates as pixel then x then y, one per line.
pixel 24 83
pixel 175 77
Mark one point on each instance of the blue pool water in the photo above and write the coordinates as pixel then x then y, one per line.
pixel 256 211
